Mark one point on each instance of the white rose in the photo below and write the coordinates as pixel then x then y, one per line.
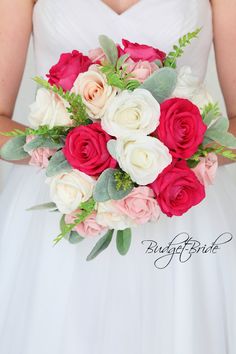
pixel 190 87
pixel 48 109
pixel 142 157
pixel 94 90
pixel 109 216
pixel 68 190
pixel 131 112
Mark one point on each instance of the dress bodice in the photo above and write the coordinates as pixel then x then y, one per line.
pixel 61 26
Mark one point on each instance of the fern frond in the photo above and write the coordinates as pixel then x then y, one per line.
pixel 77 108
pixel 178 50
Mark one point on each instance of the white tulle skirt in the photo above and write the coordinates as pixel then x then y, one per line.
pixel 52 301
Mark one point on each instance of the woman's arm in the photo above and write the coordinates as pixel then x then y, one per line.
pixel 15 31
pixel 224 25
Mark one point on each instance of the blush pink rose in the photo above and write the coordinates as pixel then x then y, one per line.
pixel 140 205
pixel 89 227
pixel 206 169
pixel 96 55
pixel 40 156
pixel 141 70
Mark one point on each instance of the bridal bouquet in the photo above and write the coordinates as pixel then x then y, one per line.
pixel 123 137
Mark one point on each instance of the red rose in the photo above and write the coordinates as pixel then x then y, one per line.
pixel 177 189
pixel 86 149
pixel 181 127
pixel 69 66
pixel 142 52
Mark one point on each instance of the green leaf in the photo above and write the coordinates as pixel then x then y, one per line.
pixel 119 77
pixel 63 225
pixel 114 193
pixel 225 153
pixel 100 193
pixel 132 84
pixel 15 132
pixel 106 187
pixel 121 61
pixel 221 124
pixel 159 63
pixel 42 142
pixel 177 51
pixel 56 134
pixel 206 141
pixel 13 149
pixel 161 83
pixel 74 237
pixel 44 206
pixel 123 241
pixel 57 164
pixel 109 48
pixel 101 245
pixel 86 208
pixel 123 180
pixel 218 132
pixel 192 163
pixel 226 139
pixel 111 147
pixel 210 112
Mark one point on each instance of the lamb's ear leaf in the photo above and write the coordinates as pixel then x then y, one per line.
pixel 101 245
pixel 74 237
pixel 109 48
pixel 218 132
pixel 13 149
pixel 57 164
pixel 41 142
pixel 111 147
pixel 62 223
pixel 219 124
pixel 50 206
pixel 161 83
pixel 100 193
pixel 122 60
pixel 123 241
pixel 225 139
pixel 113 192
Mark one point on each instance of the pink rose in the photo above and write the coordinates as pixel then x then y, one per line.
pixel 140 205
pixel 89 227
pixel 141 70
pixel 206 169
pixel 69 66
pixel 40 156
pixel 141 52
pixel 96 55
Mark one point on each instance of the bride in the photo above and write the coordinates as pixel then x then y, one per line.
pixel 52 300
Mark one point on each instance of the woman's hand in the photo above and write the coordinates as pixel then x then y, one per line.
pixel 224 27
pixel 7 125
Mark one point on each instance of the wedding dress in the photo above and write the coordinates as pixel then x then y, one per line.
pixel 52 301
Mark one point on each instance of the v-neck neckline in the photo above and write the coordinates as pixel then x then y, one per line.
pixel 128 10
